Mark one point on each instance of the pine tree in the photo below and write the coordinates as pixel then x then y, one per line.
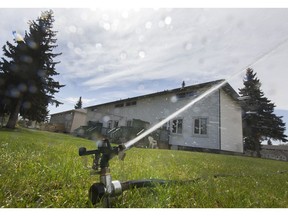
pixel 27 72
pixel 259 121
pixel 78 104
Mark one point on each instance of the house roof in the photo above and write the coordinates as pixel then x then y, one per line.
pixel 226 87
pixel 69 111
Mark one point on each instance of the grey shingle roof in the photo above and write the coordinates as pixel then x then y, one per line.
pixel 227 88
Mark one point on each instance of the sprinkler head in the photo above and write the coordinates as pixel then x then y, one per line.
pixel 82 151
pixel 98 190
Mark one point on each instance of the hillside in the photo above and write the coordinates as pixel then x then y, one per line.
pixel 42 169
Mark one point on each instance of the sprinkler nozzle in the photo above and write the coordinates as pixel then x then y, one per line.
pixel 98 190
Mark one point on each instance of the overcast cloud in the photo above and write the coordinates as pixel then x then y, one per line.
pixel 113 54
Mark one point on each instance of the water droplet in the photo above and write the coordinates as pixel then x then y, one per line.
pixel 106 118
pixel 84 16
pixel 203 40
pixel 173 99
pixel 188 46
pixel 125 14
pixel 78 51
pixel 105 17
pixel 80 31
pixel 22 87
pixel 196 109
pixel 138 31
pixel 68 117
pixel 148 25
pixel 141 38
pixel 161 24
pixel 26 105
pixel 41 73
pixel 116 110
pixel 100 68
pixel 70 45
pixel 97 115
pixel 141 87
pixel 123 55
pixel 168 20
pixel 26 58
pixel 107 26
pixel 201 61
pixel 14 93
pixel 32 44
pixel 72 29
pixel 33 89
pixel 115 25
pixel 98 45
pixel 142 54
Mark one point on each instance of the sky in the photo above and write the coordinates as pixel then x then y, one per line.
pixel 115 53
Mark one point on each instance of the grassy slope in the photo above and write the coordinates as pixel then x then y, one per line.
pixel 42 169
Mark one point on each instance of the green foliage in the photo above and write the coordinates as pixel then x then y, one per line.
pixel 42 169
pixel 260 123
pixel 78 104
pixel 26 71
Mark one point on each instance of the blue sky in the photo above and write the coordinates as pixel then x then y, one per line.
pixel 110 54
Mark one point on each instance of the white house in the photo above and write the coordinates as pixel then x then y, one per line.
pixel 215 122
pixel 69 120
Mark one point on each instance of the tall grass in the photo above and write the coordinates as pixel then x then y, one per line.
pixel 42 169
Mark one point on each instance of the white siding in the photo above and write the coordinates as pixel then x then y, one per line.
pixel 78 120
pixel 231 124
pixel 70 119
pixel 156 108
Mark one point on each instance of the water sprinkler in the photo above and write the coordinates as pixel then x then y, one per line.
pixel 106 189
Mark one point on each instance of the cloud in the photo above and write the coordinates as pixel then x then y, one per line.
pixel 194 43
pixel 110 54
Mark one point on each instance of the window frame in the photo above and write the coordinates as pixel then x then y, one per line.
pixel 129 123
pixel 200 126
pixel 116 123
pixel 177 126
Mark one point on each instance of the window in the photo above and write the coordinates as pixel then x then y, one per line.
pixel 181 95
pixel 109 125
pixel 129 123
pixel 200 126
pixel 131 103
pixel 119 105
pixel 177 126
pixel 185 95
pixel 116 123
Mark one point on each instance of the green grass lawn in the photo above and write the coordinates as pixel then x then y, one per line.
pixel 42 169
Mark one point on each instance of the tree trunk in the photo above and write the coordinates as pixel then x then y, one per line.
pixel 258 149
pixel 13 118
pixel 258 145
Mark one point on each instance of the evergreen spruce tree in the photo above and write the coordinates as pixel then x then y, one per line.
pixel 26 81
pixel 259 121
pixel 78 104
